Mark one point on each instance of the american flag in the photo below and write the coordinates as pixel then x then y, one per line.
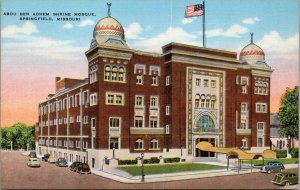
pixel 194 10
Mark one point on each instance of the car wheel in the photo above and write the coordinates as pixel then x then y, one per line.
pixel 269 171
pixel 287 183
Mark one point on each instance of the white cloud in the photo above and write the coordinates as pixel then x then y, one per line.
pixel 86 22
pixel 251 20
pixel 172 34
pixel 233 31
pixel 185 21
pixel 68 25
pixel 133 31
pixel 11 31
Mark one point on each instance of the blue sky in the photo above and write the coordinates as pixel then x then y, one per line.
pixel 48 49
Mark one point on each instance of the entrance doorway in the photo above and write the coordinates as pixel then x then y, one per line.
pixel 201 153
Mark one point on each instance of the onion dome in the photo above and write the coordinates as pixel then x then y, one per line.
pixel 109 31
pixel 252 54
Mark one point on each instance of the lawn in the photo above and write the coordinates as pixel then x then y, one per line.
pixel 168 168
pixel 282 160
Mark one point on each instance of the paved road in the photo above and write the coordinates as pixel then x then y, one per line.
pixel 16 175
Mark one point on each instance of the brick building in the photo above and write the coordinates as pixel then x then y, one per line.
pixel 159 104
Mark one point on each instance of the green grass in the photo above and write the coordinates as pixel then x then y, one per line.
pixel 282 160
pixel 168 168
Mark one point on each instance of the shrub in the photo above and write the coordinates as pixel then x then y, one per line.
pixel 127 162
pixel 294 152
pixel 171 160
pixel 152 160
pixel 281 153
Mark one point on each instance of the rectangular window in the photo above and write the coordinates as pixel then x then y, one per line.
pixel 205 83
pixel 93 122
pixel 260 142
pixel 71 119
pixel 138 122
pixel 78 119
pixel 260 126
pixel 244 80
pixel 114 98
pixel 167 109
pixel 261 107
pixel 168 82
pixel 86 119
pixel 139 69
pixel 244 89
pixel 114 122
pixel 71 101
pixel 243 124
pixel 167 129
pixel 155 70
pixel 139 100
pixel 213 84
pixel 114 143
pixel 198 82
pixel 154 80
pixel 153 122
pixel 93 74
pixel 244 107
pixel 153 101
pixel 93 99
pixel 139 79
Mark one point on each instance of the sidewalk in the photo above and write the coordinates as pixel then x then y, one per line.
pixel 124 177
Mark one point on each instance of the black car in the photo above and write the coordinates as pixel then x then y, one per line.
pixel 272 167
pixel 32 155
pixel 61 162
pixel 74 166
pixel 46 157
pixel 83 168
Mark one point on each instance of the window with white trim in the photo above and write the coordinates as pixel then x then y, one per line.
pixel 114 122
pixel 139 144
pixel 78 119
pixel 261 87
pixel 213 83
pixel 167 129
pixel 93 99
pixel 261 107
pixel 93 74
pixel 139 100
pixel 93 122
pixel 155 70
pixel 114 73
pixel 168 80
pixel 243 124
pixel 260 126
pixel 71 119
pixel 114 98
pixel 71 101
pixel 139 79
pixel 244 80
pixel 154 144
pixel 85 119
pixel 139 69
pixel 138 122
pixel 244 89
pixel 198 82
pixel 154 80
pixel 244 107
pixel 153 101
pixel 245 143
pixel 153 122
pixel 167 109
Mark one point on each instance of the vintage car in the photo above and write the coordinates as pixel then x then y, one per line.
pixel 61 162
pixel 272 167
pixel 52 159
pixel 83 168
pixel 32 154
pixel 285 178
pixel 74 166
pixel 46 157
pixel 33 162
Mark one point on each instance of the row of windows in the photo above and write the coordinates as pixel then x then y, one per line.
pixel 139 144
pixel 259 107
pixel 77 144
pixel 114 73
pixel 205 83
pixel 65 121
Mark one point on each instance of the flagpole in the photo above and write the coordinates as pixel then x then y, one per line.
pixel 203 27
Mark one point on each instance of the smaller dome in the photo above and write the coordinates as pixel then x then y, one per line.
pixel 252 53
pixel 109 26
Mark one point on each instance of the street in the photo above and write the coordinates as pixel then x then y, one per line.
pixel 15 174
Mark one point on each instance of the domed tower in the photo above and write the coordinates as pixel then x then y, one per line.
pixel 252 54
pixel 108 31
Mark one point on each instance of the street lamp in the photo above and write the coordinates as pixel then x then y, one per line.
pixel 142 160
pixel 113 152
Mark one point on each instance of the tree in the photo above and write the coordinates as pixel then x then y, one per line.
pixel 289 112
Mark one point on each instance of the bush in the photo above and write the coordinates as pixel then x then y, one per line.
pixel 127 162
pixel 294 152
pixel 153 160
pixel 281 153
pixel 171 160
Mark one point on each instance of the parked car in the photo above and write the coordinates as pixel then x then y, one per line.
pixel 74 166
pixel 272 167
pixel 32 154
pixel 46 157
pixel 33 162
pixel 61 162
pixel 285 178
pixel 52 159
pixel 83 168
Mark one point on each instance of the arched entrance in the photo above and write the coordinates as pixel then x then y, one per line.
pixel 201 153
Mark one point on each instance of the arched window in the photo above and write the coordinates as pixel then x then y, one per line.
pixel 197 101
pixel 114 73
pixel 154 144
pixel 121 74
pixel 107 74
pixel 206 124
pixel 139 144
